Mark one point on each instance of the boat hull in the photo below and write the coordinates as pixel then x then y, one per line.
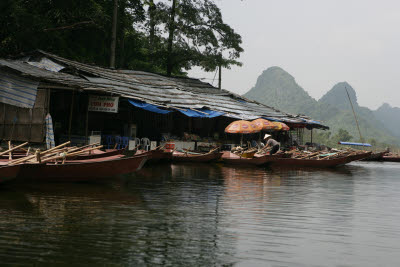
pixel 82 171
pixel 232 159
pixel 182 157
pixel 155 156
pixel 8 173
pixel 391 159
pixel 322 163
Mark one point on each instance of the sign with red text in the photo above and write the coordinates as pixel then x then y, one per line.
pixel 103 103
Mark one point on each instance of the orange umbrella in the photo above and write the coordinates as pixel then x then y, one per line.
pixel 281 126
pixel 243 127
pixel 265 124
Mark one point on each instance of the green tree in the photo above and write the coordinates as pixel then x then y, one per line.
pixel 342 135
pixel 196 35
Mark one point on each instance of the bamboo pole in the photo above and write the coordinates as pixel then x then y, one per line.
pixel 41 153
pixel 355 117
pixel 70 155
pixel 9 153
pixel 14 148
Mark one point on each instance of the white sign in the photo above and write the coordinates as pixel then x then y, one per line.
pixel 103 103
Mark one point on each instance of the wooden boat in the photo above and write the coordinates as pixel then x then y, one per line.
pixel 82 170
pixel 99 154
pixel 8 172
pixel 391 158
pixel 155 155
pixel 231 158
pixel 178 156
pixel 92 155
pixel 318 163
pixel 375 156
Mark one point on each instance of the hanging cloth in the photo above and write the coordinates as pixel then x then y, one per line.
pixel 49 132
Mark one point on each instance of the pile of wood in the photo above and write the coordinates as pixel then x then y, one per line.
pixel 58 154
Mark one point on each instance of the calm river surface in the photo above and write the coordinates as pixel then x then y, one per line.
pixel 207 215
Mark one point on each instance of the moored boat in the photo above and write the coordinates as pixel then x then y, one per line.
pixel 89 155
pixel 391 158
pixel 83 170
pixel 155 155
pixel 8 172
pixel 233 159
pixel 178 156
pixel 375 156
pixel 318 163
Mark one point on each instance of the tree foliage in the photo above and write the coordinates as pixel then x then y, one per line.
pixel 81 30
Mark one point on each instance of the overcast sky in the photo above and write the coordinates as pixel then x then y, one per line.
pixel 320 43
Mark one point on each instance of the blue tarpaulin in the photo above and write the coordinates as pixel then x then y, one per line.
pixel 354 144
pixel 196 114
pixel 148 107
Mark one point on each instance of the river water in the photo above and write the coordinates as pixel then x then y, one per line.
pixel 208 215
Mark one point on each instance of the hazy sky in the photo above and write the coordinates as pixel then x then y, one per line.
pixel 320 43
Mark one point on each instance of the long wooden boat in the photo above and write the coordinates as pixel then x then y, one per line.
pixel 318 163
pixel 156 155
pixel 95 154
pixel 8 172
pixel 190 157
pixel 233 159
pixel 375 156
pixel 83 170
pixel 100 154
pixel 391 158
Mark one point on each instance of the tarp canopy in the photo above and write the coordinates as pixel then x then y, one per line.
pixel 204 113
pixel 354 144
pixel 148 107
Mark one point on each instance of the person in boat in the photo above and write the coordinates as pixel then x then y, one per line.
pixel 272 143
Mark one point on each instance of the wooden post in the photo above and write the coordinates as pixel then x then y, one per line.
pixel 10 153
pixel 87 124
pixel 311 135
pixel 219 76
pixel 37 154
pixel 114 35
pixel 70 114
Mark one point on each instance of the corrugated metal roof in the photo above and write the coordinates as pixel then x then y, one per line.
pixel 171 92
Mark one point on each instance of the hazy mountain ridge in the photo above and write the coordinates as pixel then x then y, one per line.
pixel 390 117
pixel 277 88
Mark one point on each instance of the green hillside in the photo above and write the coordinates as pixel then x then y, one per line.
pixel 277 88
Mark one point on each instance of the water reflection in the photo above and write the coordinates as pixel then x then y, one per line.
pixel 205 215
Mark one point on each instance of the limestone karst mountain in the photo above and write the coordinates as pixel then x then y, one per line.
pixel 277 88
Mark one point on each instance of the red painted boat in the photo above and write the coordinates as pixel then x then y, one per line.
pixel 155 155
pixel 99 154
pixel 318 163
pixel 8 173
pixel 94 154
pixel 377 156
pixel 391 158
pixel 84 170
pixel 231 158
pixel 190 157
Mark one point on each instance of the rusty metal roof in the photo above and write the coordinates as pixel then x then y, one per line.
pixel 169 92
